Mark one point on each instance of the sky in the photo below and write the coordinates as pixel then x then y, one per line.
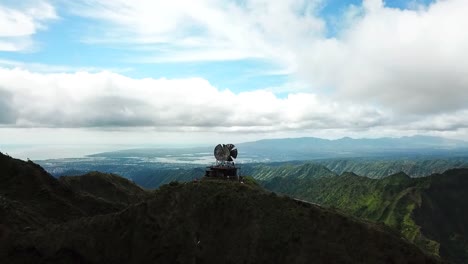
pixel 150 72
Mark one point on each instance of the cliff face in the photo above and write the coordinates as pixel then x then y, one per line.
pixel 202 222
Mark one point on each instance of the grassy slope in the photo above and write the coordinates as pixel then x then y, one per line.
pixel 305 169
pixel 301 170
pixel 444 213
pixel 381 168
pixel 156 178
pixel 207 221
pixel 30 197
pixel 429 211
pixel 221 222
pixel 109 187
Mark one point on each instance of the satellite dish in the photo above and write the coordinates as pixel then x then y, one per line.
pixel 225 152
pixel 232 152
pixel 220 152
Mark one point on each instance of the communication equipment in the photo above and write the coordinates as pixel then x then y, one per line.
pixel 224 168
pixel 225 152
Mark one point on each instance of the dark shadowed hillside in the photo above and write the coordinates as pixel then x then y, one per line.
pixel 219 222
pixel 443 213
pixel 109 187
pixel 30 197
pixel 200 222
pixel 155 178
pixel 430 211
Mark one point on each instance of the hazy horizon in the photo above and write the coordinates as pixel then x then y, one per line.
pixel 63 151
pixel 96 72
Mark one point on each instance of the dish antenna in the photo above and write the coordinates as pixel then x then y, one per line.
pixel 224 168
pixel 225 152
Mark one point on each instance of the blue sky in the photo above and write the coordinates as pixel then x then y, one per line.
pixel 63 43
pixel 140 71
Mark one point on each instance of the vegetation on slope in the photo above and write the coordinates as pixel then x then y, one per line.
pixel 201 222
pixel 443 213
pixel 30 197
pixel 372 168
pixel 109 187
pixel 271 170
pixel 379 168
pixel 221 222
pixel 154 178
pixel 429 211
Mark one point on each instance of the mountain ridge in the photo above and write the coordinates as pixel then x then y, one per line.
pixel 204 221
pixel 430 211
pixel 315 148
pixel 109 187
pixel 306 148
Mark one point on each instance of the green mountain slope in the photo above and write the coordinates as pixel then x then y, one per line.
pixel 271 170
pixel 220 222
pixel 372 168
pixel 379 168
pixel 155 178
pixel 30 197
pixel 109 187
pixel 430 211
pixel 443 213
pixel 199 222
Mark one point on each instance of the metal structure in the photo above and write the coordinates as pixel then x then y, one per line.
pixel 226 152
pixel 224 168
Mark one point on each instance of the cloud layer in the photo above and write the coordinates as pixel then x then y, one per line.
pixel 107 99
pixel 375 68
pixel 413 61
pixel 18 24
pixel 204 30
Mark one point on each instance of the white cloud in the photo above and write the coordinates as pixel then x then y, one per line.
pixel 412 61
pixel 48 68
pixel 386 71
pixel 108 99
pixel 18 24
pixel 205 30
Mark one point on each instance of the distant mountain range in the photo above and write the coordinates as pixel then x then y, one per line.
pixel 416 156
pixel 103 218
pixel 317 148
pixel 308 148
pixel 372 168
